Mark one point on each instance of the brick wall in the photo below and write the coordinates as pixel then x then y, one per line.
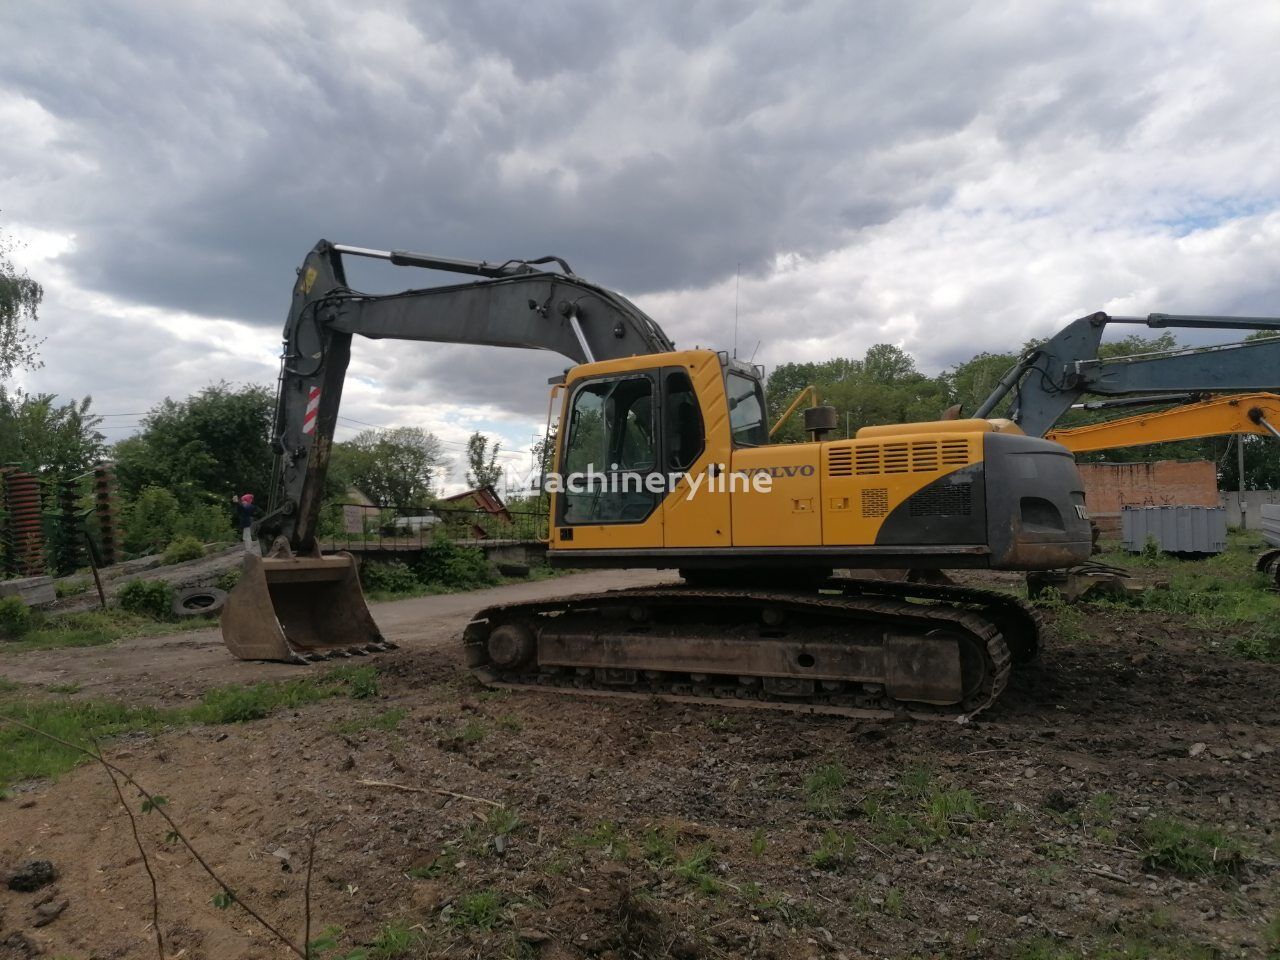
pixel 1110 486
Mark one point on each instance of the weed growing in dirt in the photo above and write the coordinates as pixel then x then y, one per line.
pixel 502 821
pixel 759 843
pixel 67 688
pixel 473 732
pixel 443 864
pixel 659 847
pixel 823 789
pixel 386 720
pixel 1189 851
pixel 696 868
pixel 725 721
pixel 510 723
pixel 1221 592
pixel 920 813
pixel 361 682
pixel 1262 644
pixel 393 941
pixel 238 704
pixel 475 911
pixel 609 838
pixel 8 686
pixel 834 850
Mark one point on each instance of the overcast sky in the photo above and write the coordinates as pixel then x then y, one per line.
pixel 948 177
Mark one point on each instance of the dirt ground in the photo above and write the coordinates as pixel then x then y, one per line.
pixel 648 829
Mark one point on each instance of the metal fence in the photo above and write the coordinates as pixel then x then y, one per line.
pixel 362 526
pixel 1195 530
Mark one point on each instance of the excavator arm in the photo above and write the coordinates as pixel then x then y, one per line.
pixel 1052 377
pixel 510 304
pixel 295 604
pixel 1240 413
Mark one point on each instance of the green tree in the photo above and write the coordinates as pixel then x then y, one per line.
pixel 971 382
pixel 20 298
pixel 205 448
pixel 46 437
pixel 887 364
pixel 482 461
pixel 396 467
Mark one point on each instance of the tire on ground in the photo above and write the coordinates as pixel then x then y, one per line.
pixel 198 601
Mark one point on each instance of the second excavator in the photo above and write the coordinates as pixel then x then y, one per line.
pixel 662 460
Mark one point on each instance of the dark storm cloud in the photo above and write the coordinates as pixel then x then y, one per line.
pixel 655 146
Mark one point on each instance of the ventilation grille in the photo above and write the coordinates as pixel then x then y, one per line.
pixel 916 456
pixel 875 501
pixel 952 500
pixel 839 461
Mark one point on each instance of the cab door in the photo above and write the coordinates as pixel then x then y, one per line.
pixel 609 467
pixel 696 450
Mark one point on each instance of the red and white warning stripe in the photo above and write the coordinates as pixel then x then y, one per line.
pixel 313 410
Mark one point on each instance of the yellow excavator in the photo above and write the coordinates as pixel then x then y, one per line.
pixel 662 460
pixel 1251 413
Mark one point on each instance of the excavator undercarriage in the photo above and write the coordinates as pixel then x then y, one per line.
pixel 852 647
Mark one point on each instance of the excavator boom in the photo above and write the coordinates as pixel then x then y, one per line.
pixel 1257 413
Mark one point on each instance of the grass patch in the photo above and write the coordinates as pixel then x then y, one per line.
pixel 696 868
pixel 475 911
pixel 393 941
pixel 67 688
pixel 238 703
pixel 920 813
pixel 1222 594
pixel 823 790
pixel 1187 850
pixel 834 850
pixel 609 838
pixel 93 629
pixel 386 721
pixel 443 864
pixel 658 847
pixel 25 755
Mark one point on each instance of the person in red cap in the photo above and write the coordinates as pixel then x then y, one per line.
pixel 244 518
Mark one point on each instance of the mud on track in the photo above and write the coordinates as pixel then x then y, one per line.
pixel 649 829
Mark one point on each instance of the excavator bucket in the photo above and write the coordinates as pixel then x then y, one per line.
pixel 298 610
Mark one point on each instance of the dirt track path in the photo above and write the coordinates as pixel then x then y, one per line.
pixel 155 669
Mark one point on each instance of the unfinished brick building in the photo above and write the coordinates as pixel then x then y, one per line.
pixel 1110 486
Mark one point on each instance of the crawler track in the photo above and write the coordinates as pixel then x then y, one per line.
pixel 865 648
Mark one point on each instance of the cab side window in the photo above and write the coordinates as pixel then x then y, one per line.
pixel 746 411
pixel 682 422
